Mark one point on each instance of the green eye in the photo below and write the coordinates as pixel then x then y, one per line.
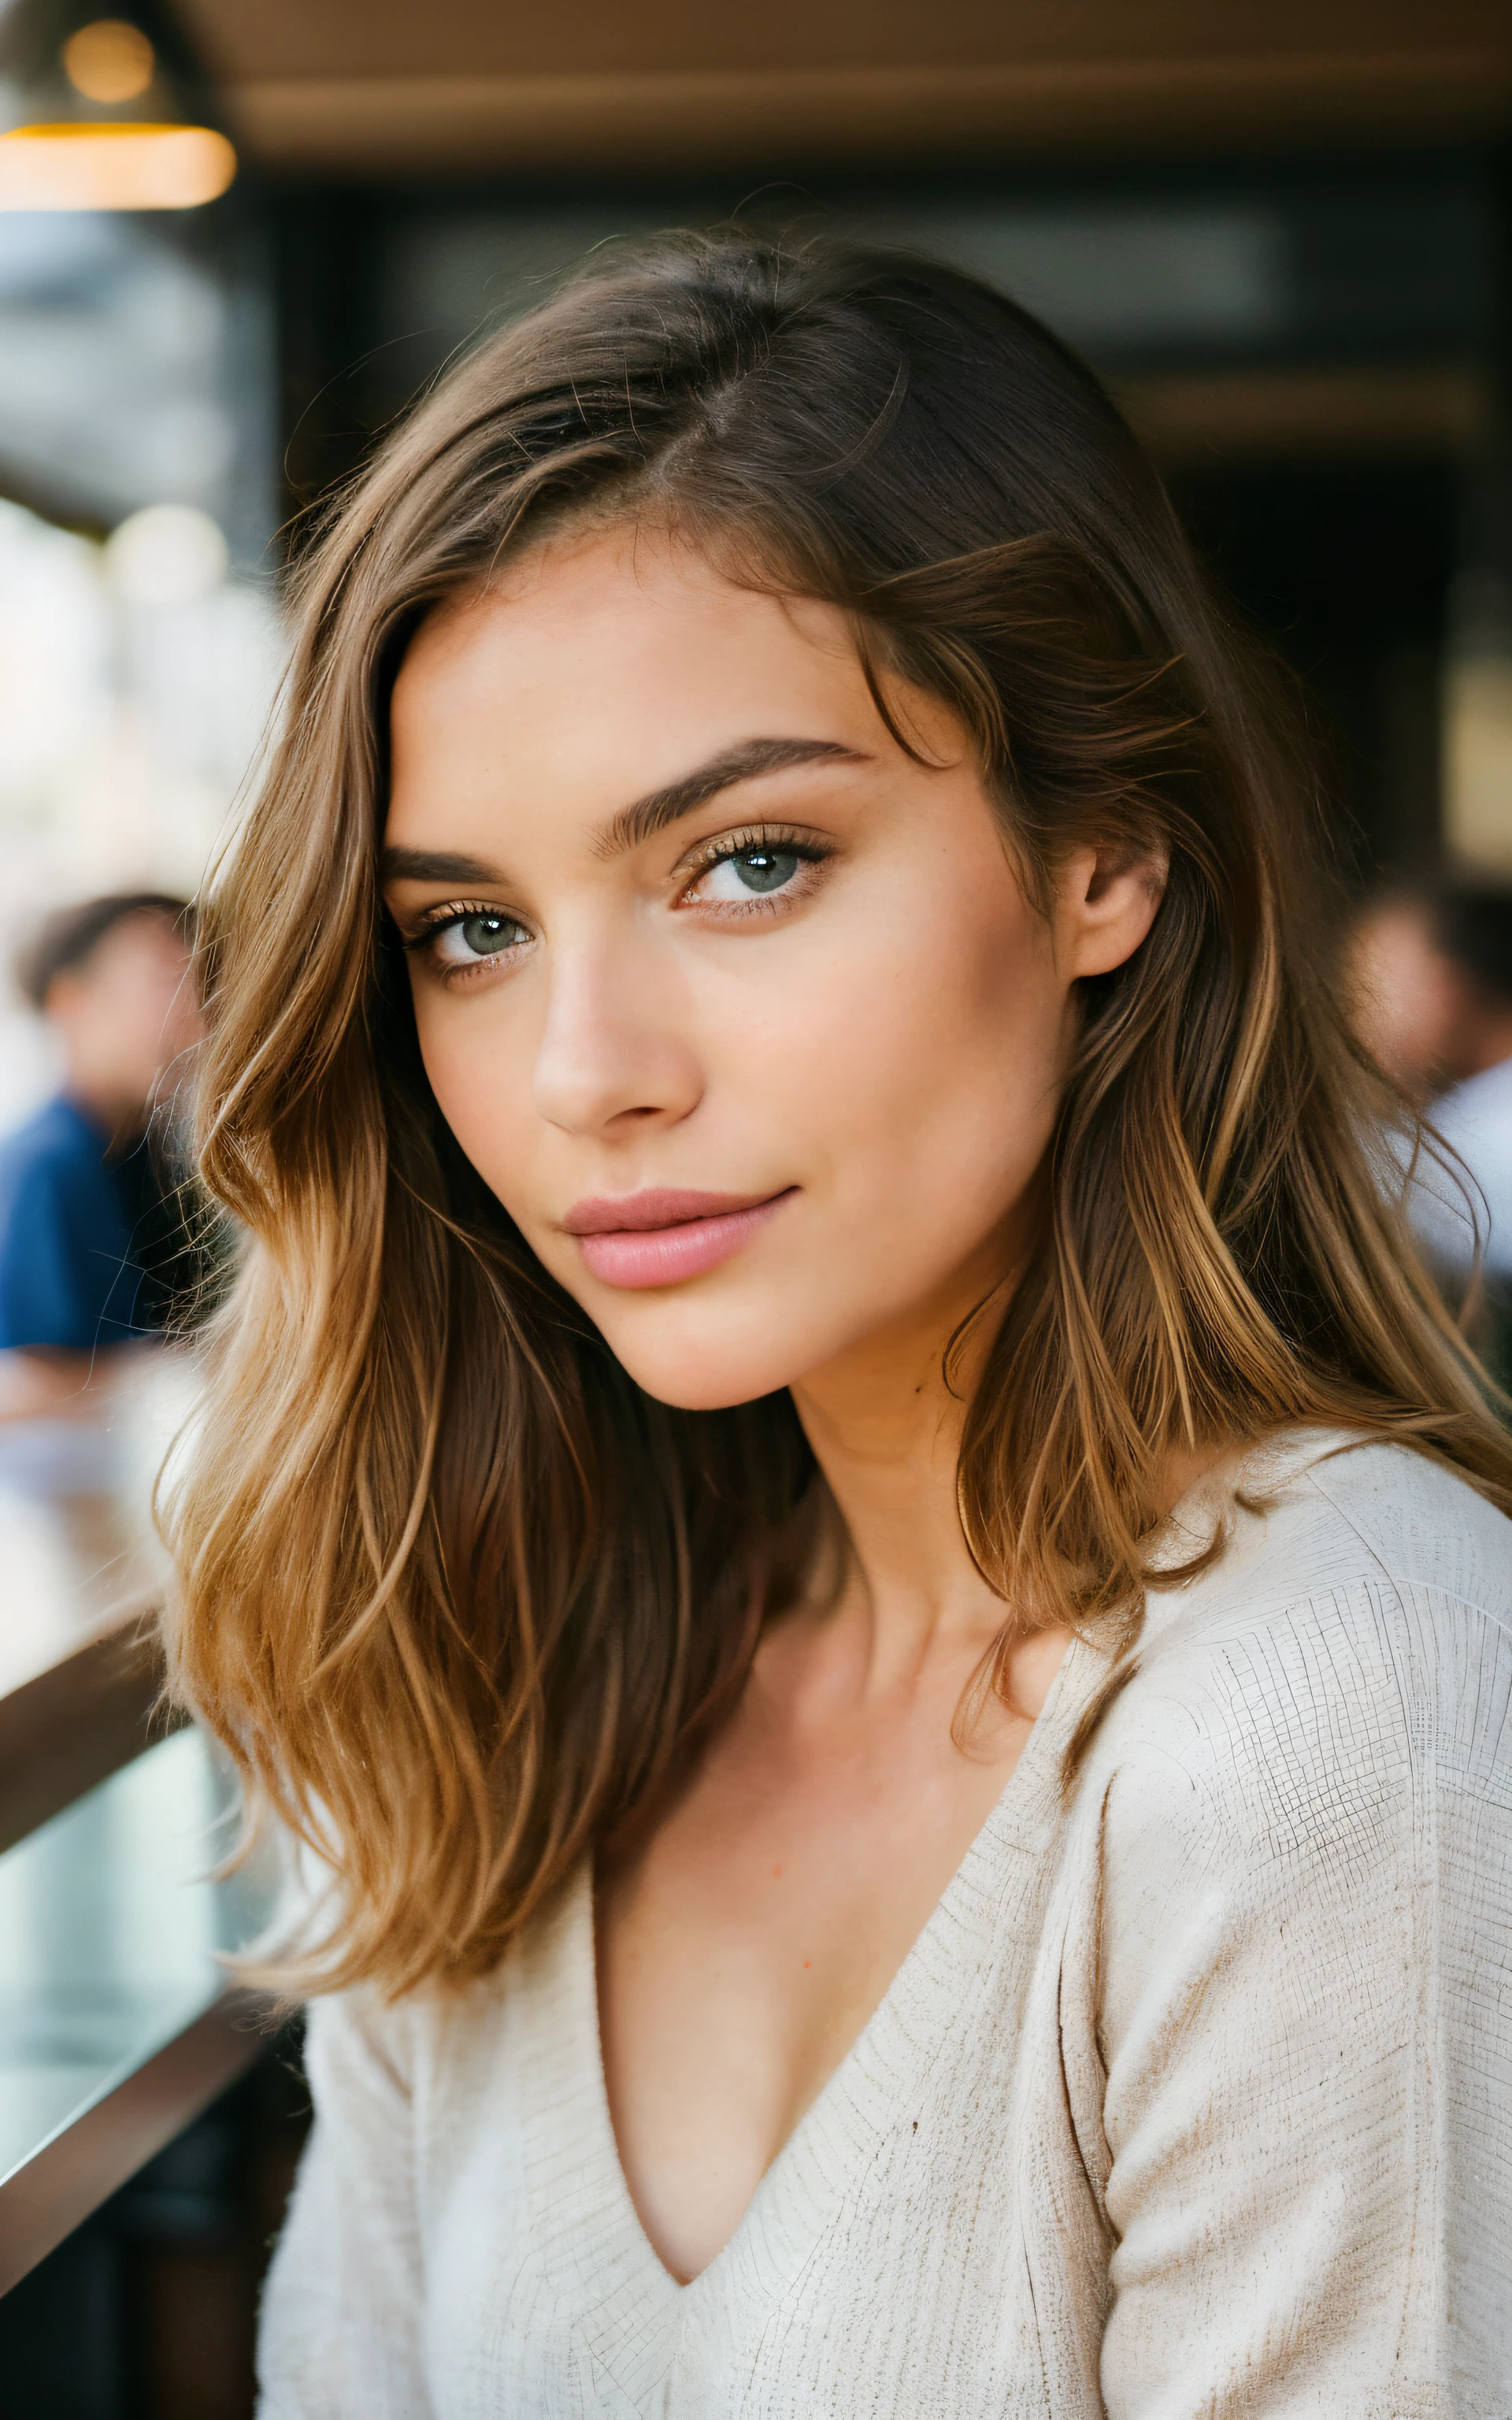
pixel 739 877
pixel 463 940
pixel 486 935
pixel 764 869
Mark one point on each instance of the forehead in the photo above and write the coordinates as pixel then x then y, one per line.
pixel 616 592
pixel 145 938
pixel 605 667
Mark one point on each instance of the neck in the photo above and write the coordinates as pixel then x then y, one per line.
pixel 1491 1040
pixel 886 1426
pixel 886 1423
pixel 123 1121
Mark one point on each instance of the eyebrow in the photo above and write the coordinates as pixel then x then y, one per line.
pixel 433 865
pixel 746 762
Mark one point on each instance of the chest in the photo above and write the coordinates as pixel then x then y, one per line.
pixel 743 1953
pixel 882 2265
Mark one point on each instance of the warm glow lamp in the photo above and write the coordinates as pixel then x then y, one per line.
pixel 105 113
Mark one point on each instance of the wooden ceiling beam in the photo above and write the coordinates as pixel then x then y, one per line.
pixel 705 119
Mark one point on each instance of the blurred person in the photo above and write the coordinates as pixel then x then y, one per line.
pixel 828 1489
pixel 1432 979
pixel 1471 928
pixel 1409 998
pixel 89 1232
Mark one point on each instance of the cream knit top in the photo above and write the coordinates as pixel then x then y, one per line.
pixel 1193 2100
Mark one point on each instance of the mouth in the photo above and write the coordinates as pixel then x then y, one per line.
pixel 661 1237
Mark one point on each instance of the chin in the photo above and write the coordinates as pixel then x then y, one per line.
pixel 695 1367
pixel 712 1386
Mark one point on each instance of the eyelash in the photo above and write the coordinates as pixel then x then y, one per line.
pixel 786 840
pixel 806 846
pixel 422 942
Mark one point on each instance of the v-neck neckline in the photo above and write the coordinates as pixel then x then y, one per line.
pixel 776 2229
pixel 968 1962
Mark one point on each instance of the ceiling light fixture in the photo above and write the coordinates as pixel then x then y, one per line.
pixel 106 113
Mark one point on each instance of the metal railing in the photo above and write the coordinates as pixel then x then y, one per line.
pixel 118 2023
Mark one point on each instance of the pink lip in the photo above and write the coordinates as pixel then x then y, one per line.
pixel 662 1235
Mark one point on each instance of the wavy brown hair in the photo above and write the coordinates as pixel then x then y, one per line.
pixel 459 1596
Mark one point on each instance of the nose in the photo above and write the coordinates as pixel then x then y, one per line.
pixel 615 1052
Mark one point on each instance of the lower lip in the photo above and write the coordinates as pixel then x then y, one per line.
pixel 663 1256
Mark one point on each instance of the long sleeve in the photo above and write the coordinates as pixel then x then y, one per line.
pixel 341 2321
pixel 1307 2022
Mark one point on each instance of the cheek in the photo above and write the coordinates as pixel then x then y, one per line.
pixel 479 1076
pixel 939 1057
pixel 133 1022
pixel 912 1101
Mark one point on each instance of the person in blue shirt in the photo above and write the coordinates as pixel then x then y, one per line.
pixel 90 1236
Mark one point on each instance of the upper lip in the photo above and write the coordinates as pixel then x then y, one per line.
pixel 659 1206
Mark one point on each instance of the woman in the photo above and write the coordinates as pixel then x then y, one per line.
pixel 830 1491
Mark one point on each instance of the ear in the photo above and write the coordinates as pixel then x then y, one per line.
pixel 1105 904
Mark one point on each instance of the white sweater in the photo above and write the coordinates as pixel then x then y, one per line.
pixel 1191 2101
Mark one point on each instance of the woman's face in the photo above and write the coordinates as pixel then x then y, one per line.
pixel 739 1009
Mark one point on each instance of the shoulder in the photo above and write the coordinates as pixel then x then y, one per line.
pixel 1314 1516
pixel 442 2049
pixel 1352 1642
pixel 1299 1813
pixel 1476 1121
pixel 1479 1107
pixel 1412 1524
pixel 55 1147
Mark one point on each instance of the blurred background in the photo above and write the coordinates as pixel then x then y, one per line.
pixel 236 237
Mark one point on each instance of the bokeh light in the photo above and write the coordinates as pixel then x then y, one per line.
pixel 76 166
pixel 109 62
pixel 166 554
